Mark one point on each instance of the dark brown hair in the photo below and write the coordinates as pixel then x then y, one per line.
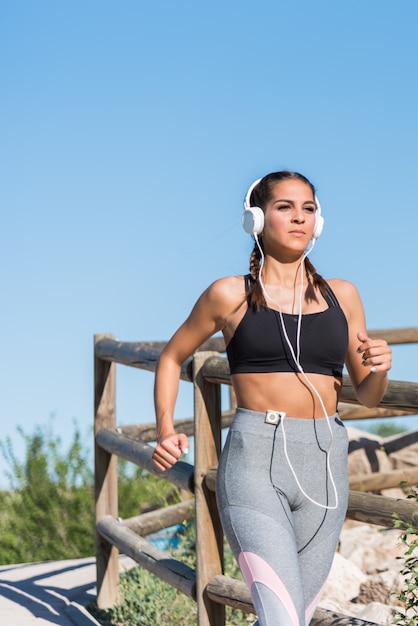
pixel 260 196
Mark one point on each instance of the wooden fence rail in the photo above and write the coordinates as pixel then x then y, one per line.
pixel 207 370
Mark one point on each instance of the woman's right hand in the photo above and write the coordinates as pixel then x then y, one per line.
pixel 169 449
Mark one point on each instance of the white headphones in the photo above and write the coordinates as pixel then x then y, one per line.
pixel 253 216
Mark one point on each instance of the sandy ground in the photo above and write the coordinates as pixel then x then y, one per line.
pixel 55 592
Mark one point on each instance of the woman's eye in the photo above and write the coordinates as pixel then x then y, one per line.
pixel 310 209
pixel 283 207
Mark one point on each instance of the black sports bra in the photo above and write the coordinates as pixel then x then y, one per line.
pixel 259 345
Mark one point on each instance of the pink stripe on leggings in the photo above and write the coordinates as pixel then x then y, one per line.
pixel 256 570
pixel 311 608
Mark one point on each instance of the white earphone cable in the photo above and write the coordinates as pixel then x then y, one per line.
pixel 296 359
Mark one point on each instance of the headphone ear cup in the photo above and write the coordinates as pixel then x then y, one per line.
pixel 318 227
pixel 253 220
pixel 319 222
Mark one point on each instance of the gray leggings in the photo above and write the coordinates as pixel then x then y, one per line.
pixel 283 542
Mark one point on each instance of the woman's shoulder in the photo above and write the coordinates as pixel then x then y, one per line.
pixel 342 288
pixel 346 293
pixel 227 289
pixel 221 299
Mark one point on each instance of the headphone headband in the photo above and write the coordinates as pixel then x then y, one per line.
pixel 249 192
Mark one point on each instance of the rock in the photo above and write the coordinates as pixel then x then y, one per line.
pixel 371 548
pixel 343 583
pixel 377 613
pixel 365 455
pixel 340 608
pixel 405 458
pixel 365 580
pixel 374 589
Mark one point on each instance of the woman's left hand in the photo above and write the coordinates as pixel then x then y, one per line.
pixel 376 353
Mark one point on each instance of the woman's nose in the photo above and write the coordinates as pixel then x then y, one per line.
pixel 298 215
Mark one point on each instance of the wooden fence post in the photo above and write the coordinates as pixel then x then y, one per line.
pixel 105 479
pixel 209 535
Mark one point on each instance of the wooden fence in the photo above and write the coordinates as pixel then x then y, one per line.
pixel 207 370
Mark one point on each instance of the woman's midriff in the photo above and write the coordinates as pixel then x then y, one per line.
pixel 287 392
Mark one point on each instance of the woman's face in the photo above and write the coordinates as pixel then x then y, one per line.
pixel 289 216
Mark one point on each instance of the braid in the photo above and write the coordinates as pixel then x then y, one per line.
pixel 315 280
pixel 255 262
pixel 255 294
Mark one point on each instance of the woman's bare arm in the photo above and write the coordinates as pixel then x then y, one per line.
pixel 368 360
pixel 207 317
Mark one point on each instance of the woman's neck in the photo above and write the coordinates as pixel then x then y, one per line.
pixel 286 274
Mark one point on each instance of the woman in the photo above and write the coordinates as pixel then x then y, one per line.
pixel 282 483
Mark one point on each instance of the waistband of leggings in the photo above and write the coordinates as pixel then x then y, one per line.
pixel 301 427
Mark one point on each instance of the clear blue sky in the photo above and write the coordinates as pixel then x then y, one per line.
pixel 130 132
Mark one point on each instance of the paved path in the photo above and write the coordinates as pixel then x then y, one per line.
pixel 55 592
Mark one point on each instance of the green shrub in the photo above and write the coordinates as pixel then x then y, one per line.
pixel 48 514
pixel 409 593
pixel 386 429
pixel 140 491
